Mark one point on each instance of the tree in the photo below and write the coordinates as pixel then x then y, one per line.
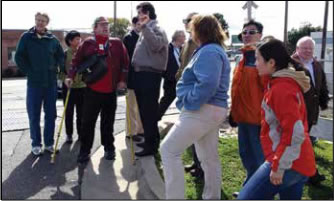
pixel 223 23
pixel 295 34
pixel 121 28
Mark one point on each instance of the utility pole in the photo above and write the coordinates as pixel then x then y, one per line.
pixel 115 13
pixel 131 10
pixel 249 5
pixel 324 34
pixel 286 22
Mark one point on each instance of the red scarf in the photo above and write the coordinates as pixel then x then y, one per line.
pixel 101 43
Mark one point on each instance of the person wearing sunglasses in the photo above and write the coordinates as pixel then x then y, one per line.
pixel 247 94
pixel 194 168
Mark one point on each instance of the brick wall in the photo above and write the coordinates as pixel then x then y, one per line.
pixel 10 39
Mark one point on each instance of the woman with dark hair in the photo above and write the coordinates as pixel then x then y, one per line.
pixel 78 88
pixel 284 134
pixel 202 99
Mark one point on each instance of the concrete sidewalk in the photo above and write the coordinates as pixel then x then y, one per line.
pixel 120 179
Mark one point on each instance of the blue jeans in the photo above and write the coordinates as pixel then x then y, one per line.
pixel 36 97
pixel 259 186
pixel 250 149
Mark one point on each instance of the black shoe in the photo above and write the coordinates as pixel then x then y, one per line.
pixel 135 138
pixel 145 152
pixel 197 172
pixel 235 194
pixel 188 168
pixel 109 155
pixel 83 158
pixel 316 179
pixel 141 145
pixel 69 139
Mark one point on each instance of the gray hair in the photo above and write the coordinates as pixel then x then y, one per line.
pixel 44 15
pixel 304 39
pixel 177 34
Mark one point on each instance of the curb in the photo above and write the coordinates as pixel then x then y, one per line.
pixel 151 173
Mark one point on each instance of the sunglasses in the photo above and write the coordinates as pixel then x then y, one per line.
pixel 186 21
pixel 250 32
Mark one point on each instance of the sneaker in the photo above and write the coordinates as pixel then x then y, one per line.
pixel 235 194
pixel 37 151
pixel 69 139
pixel 109 155
pixel 49 149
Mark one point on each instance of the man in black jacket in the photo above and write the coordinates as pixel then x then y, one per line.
pixel 318 96
pixel 174 50
pixel 134 125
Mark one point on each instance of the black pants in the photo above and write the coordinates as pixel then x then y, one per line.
pixel 147 89
pixel 195 158
pixel 94 103
pixel 75 101
pixel 313 139
pixel 168 98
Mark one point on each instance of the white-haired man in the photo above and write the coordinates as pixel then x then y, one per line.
pixel 317 96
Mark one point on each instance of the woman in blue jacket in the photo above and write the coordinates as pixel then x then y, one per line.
pixel 202 99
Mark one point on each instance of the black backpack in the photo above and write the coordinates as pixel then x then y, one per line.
pixel 94 67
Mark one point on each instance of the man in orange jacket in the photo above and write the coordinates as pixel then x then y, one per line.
pixel 247 94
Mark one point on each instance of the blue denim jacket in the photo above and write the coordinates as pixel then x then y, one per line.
pixel 205 80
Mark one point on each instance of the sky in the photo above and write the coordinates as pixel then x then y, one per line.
pixel 81 14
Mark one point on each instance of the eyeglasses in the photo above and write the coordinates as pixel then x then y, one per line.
pixel 250 32
pixel 104 24
pixel 42 21
pixel 186 21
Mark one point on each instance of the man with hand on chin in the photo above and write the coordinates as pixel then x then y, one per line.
pixel 149 62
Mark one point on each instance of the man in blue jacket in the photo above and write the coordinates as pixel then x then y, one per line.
pixel 39 54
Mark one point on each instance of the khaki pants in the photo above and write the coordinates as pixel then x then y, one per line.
pixel 200 128
pixel 133 121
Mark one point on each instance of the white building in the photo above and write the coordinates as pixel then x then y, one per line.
pixel 317 36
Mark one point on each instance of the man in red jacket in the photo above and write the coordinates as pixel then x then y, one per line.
pixel 100 96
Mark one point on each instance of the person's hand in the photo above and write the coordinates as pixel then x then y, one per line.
pixel 68 82
pixel 121 86
pixel 144 20
pixel 276 178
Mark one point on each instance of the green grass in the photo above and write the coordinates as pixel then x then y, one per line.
pixel 324 158
pixel 233 172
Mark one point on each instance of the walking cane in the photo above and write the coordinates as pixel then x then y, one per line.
pixel 61 126
pixel 129 128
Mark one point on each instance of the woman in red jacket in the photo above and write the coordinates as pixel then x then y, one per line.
pixel 284 134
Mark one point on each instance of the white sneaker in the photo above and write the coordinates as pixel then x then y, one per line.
pixel 36 151
pixel 49 149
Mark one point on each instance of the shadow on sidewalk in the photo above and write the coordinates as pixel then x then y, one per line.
pixel 101 183
pixel 35 174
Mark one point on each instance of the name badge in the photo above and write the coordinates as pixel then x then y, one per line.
pixel 101 47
